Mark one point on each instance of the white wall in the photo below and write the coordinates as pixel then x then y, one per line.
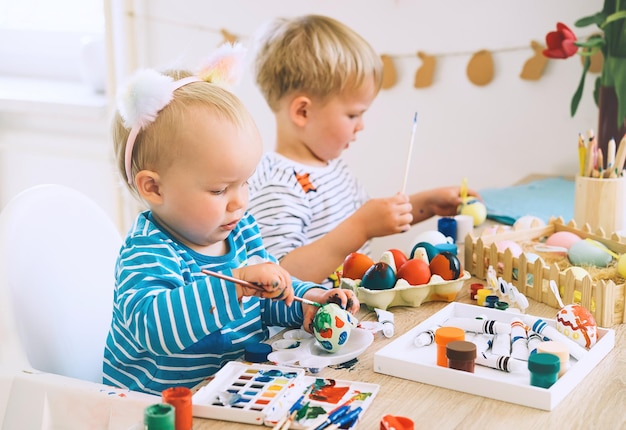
pixel 493 135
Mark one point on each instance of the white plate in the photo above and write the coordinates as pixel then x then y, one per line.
pixel 311 354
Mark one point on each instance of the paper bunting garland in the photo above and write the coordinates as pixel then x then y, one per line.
pixel 480 68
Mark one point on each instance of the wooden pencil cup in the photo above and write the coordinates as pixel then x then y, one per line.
pixel 601 203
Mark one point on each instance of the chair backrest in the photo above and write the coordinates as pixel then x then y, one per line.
pixel 57 261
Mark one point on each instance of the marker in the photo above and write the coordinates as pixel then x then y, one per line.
pixel 424 338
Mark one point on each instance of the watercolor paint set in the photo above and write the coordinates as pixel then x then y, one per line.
pixel 266 395
pixel 407 358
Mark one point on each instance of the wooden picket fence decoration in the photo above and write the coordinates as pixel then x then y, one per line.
pixel 604 298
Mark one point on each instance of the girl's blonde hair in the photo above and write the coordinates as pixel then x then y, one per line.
pixel 158 144
pixel 314 54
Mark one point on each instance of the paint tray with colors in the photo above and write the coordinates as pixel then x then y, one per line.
pixel 264 394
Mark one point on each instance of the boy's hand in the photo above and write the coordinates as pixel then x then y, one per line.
pixel 273 281
pixel 445 201
pixel 385 216
pixel 343 297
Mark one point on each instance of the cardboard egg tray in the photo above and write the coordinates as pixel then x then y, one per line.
pixel 404 294
pixel 604 298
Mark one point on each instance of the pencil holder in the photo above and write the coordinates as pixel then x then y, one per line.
pixel 601 203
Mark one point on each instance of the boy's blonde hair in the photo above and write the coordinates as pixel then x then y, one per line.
pixel 158 144
pixel 314 54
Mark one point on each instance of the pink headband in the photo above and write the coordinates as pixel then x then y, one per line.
pixel 130 142
pixel 148 92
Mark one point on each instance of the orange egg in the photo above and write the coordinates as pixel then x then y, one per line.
pixel 446 265
pixel 415 272
pixel 355 265
pixel 398 257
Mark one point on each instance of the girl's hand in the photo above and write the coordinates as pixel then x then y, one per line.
pixel 342 297
pixel 273 282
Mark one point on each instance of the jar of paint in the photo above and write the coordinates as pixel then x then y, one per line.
pixel 461 355
pixel 180 398
pixel 443 336
pixel 491 300
pixel 544 369
pixel 474 289
pixel 160 416
pixel 503 306
pixel 481 295
pixel 559 349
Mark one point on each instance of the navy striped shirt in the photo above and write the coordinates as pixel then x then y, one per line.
pixel 296 204
pixel 174 326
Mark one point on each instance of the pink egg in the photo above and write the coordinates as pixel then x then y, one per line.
pixel 564 239
pixel 503 245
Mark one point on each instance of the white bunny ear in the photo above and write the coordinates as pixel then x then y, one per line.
pixel 225 66
pixel 145 94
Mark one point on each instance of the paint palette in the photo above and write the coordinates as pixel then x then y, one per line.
pixel 263 394
pixel 299 348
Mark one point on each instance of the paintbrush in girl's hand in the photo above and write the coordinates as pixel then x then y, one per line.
pixel 254 286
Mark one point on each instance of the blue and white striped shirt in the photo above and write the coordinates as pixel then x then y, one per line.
pixel 174 326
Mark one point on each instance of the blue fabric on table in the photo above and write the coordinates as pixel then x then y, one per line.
pixel 543 198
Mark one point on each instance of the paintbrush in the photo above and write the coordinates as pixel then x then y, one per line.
pixel 409 155
pixel 254 286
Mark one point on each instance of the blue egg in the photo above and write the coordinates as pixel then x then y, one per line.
pixel 379 277
pixel 589 253
pixel 431 250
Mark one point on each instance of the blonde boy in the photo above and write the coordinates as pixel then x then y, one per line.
pixel 319 78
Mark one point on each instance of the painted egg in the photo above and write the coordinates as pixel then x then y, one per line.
pixel 398 257
pixel 577 323
pixel 446 265
pixel 589 253
pixel 578 272
pixel 332 326
pixel 415 272
pixel 394 258
pixel 528 221
pixel 355 265
pixel 514 247
pixel 564 239
pixel 379 277
pixel 433 237
pixel 475 208
pixel 621 266
pixel 431 250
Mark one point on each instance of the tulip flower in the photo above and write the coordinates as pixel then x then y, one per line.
pixel 561 43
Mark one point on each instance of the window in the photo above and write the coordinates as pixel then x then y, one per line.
pixel 46 39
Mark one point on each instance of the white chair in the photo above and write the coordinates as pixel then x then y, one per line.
pixel 57 258
pixel 57 265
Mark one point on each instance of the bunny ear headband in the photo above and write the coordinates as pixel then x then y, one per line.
pixel 148 92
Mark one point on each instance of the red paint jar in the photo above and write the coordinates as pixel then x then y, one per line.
pixel 474 289
pixel 180 398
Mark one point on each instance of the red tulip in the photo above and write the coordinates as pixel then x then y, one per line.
pixel 561 43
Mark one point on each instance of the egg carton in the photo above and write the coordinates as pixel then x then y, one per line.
pixel 604 298
pixel 403 294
